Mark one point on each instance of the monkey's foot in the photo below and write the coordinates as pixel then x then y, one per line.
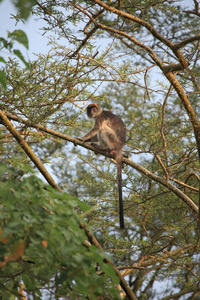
pixel 113 152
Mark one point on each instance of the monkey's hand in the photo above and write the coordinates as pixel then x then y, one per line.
pixel 79 139
pixel 84 140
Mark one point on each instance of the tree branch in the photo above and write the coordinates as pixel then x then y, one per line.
pixel 188 107
pixel 162 181
pixel 149 27
pixel 166 257
pixel 135 19
pixel 186 41
pixel 5 121
pixel 129 162
pixel 123 282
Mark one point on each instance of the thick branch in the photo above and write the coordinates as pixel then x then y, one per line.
pixel 188 107
pixel 186 41
pixel 135 19
pixel 129 162
pixel 149 27
pixel 5 121
pixel 173 68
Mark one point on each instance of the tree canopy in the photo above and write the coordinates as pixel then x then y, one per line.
pixel 59 230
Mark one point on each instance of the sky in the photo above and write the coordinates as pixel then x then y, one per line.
pixel 37 42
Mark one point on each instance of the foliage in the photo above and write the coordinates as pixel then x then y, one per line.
pixel 42 245
pixel 24 9
pixel 141 60
pixel 20 37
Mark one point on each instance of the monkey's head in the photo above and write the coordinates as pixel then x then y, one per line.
pixel 93 110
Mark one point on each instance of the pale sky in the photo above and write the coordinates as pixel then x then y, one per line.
pixel 37 42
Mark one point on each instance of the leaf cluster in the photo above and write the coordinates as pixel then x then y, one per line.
pixel 55 251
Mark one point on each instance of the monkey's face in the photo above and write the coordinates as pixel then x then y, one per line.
pixel 93 110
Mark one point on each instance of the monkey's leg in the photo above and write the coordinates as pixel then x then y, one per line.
pixel 92 139
pixel 99 147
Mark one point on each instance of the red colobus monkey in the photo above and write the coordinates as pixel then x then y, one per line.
pixel 110 131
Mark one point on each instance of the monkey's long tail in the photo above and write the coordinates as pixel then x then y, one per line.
pixel 119 178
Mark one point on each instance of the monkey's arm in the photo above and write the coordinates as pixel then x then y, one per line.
pixel 92 139
pixel 91 136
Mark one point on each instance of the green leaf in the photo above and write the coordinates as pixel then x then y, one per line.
pixel 46 215
pixel 21 37
pixel 4 42
pixel 2 59
pixel 110 272
pixel 83 206
pixel 24 7
pixel 29 282
pixel 19 54
pixel 3 80
pixel 3 169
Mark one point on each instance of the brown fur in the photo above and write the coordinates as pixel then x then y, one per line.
pixel 110 131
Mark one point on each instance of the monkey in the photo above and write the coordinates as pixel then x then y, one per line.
pixel 110 131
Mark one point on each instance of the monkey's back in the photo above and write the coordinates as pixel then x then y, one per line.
pixel 116 124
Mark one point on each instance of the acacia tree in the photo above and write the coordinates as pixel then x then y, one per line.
pixel 141 60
